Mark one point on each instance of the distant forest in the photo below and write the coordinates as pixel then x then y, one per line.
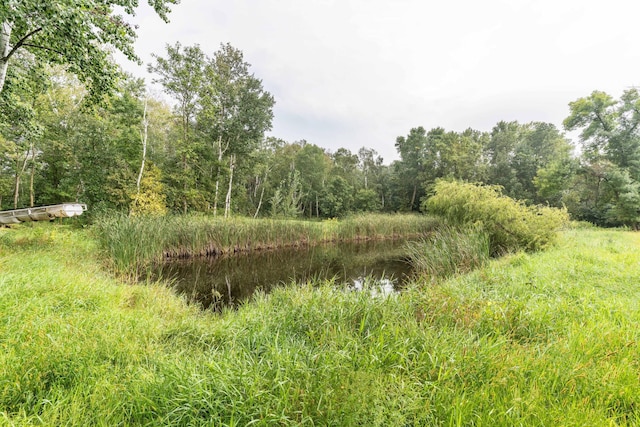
pixel 126 150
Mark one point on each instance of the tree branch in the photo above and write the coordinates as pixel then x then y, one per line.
pixel 602 122
pixel 43 48
pixel 22 42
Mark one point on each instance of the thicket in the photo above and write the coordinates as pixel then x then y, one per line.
pixel 510 225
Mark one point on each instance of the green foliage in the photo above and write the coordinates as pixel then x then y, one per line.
pixel 73 34
pixel 604 189
pixel 596 116
pixel 337 197
pixel 626 209
pixel 366 200
pixel 151 199
pixel 286 200
pixel 511 225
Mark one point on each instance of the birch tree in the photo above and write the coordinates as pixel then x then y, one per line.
pixel 236 112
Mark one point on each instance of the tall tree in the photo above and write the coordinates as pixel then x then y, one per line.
pixel 314 165
pixel 541 144
pixel 19 122
pixel 501 149
pixel 411 169
pixel 596 116
pixel 181 74
pixel 236 112
pixel 72 33
pixel 610 135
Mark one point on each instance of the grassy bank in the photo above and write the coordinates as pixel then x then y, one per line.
pixel 132 242
pixel 544 339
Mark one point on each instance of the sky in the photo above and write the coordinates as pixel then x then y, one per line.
pixel 354 73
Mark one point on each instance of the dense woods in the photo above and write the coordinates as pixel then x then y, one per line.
pixel 74 131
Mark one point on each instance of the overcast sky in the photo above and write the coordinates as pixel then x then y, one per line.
pixel 353 73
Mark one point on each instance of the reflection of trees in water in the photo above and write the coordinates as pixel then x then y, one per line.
pixel 232 279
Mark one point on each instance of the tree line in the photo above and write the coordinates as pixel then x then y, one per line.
pixel 74 128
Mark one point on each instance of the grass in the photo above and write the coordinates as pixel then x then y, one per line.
pixel 449 251
pixel 132 243
pixel 539 339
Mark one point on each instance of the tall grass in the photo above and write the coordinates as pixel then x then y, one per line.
pixel 545 339
pixel 134 242
pixel 449 251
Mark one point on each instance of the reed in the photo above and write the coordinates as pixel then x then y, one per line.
pixel 449 251
pixel 132 243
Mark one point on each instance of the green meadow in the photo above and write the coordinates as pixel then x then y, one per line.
pixel 541 339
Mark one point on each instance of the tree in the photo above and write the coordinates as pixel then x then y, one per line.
pixel 72 33
pixel 59 115
pixel 236 112
pixel 540 145
pixel 505 137
pixel 596 116
pixel 345 164
pixel 609 176
pixel 410 169
pixel 263 165
pixel 371 165
pixel 314 165
pixel 19 123
pixel 181 74
pixel 337 197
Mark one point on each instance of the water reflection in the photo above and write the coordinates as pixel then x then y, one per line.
pixel 381 287
pixel 215 282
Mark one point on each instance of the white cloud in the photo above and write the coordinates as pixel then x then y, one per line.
pixel 355 73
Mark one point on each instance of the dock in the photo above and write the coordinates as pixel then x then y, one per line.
pixel 42 213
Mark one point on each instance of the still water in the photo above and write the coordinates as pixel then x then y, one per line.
pixel 229 280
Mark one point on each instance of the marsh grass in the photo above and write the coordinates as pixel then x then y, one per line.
pixel 132 243
pixel 539 339
pixel 449 251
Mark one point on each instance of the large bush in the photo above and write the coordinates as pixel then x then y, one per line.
pixel 511 225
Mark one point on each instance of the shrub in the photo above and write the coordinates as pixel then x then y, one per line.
pixel 510 224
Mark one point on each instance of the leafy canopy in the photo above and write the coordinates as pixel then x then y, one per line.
pixel 73 33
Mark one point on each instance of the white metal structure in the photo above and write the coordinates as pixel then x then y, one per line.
pixel 42 213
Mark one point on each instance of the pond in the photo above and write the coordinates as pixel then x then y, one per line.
pixel 229 280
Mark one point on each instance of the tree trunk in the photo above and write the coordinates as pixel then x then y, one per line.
pixel 413 197
pixel 33 172
pixel 143 137
pixel 185 186
pixel 266 174
pixel 16 191
pixel 5 36
pixel 259 203
pixel 185 165
pixel 19 173
pixel 220 153
pixel 215 200
pixel 227 200
pixel 215 197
